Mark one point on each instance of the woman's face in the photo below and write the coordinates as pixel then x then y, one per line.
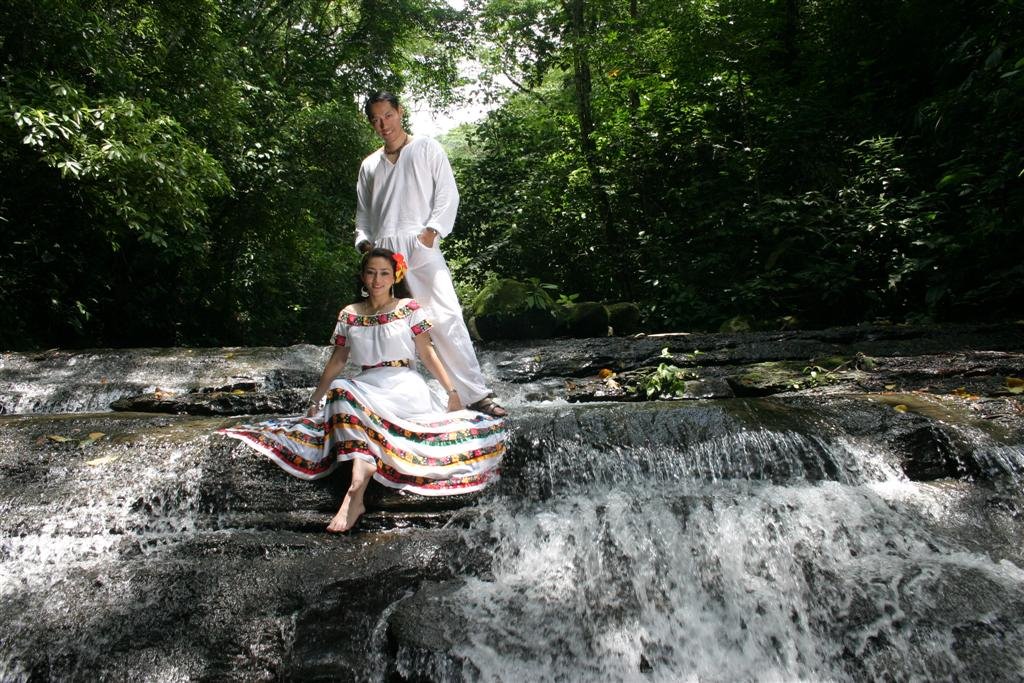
pixel 378 276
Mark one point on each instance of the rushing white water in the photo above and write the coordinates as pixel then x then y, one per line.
pixel 750 555
pixel 734 581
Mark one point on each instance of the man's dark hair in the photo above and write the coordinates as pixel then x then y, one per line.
pixel 380 96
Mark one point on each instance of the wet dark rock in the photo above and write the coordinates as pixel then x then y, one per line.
pixel 618 370
pixel 932 453
pixel 217 402
pixel 89 380
pixel 995 349
pixel 423 633
pixel 709 387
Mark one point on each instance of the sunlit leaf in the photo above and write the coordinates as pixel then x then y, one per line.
pixel 900 408
pixel 1015 385
pixel 58 438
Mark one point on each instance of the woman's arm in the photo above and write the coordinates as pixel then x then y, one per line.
pixel 433 364
pixel 335 364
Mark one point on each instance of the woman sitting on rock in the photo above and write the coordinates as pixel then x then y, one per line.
pixel 385 419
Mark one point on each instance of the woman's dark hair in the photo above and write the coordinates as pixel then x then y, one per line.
pixel 380 96
pixel 401 289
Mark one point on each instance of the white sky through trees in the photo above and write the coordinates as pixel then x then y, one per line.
pixel 425 120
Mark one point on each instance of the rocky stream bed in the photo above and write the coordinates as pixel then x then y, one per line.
pixel 842 504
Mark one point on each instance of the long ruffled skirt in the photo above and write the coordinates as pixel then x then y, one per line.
pixel 388 417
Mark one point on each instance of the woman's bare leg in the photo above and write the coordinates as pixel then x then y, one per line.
pixel 352 506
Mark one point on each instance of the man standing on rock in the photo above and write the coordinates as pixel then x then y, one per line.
pixel 406 201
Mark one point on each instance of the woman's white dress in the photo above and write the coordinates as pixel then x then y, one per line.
pixel 386 415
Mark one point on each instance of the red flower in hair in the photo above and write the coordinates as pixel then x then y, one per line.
pixel 400 267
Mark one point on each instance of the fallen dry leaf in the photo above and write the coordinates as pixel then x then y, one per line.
pixel 900 408
pixel 605 373
pixel 58 438
pixel 102 461
pixel 93 436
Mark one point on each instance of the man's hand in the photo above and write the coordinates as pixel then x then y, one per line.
pixel 427 237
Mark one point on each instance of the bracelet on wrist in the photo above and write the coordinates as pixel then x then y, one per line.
pixel 453 390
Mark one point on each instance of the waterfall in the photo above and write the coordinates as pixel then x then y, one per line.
pixel 749 554
pixel 768 539
pixel 736 581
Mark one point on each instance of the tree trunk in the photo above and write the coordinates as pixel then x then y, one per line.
pixel 575 10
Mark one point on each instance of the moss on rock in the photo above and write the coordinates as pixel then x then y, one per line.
pixel 509 309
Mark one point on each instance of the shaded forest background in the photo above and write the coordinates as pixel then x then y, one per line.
pixel 181 172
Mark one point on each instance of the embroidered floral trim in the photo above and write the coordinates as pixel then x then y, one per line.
pixel 404 363
pixel 420 328
pixel 379 318
pixel 317 469
pixel 439 439
pixel 467 458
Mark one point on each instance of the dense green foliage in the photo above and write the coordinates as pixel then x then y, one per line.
pixel 181 171
pixel 826 161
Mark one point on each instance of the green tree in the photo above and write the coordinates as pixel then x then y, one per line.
pixel 831 161
pixel 183 172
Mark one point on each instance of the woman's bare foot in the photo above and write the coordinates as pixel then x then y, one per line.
pixel 352 507
pixel 348 515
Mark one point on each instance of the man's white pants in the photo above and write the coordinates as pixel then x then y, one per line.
pixel 430 282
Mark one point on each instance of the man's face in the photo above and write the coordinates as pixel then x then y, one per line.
pixel 387 122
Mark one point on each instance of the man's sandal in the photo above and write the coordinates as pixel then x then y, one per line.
pixel 488 406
